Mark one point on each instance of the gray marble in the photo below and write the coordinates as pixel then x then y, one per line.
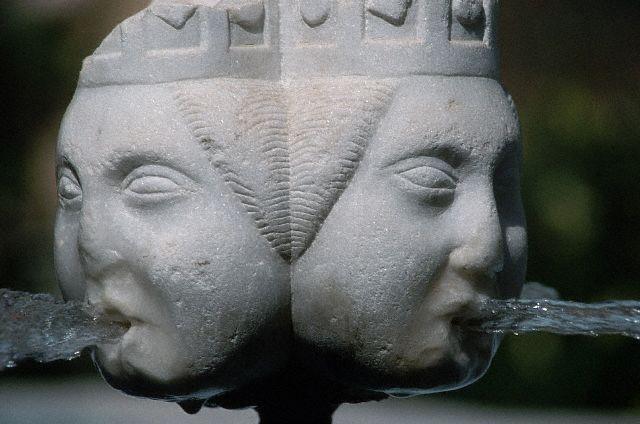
pixel 292 199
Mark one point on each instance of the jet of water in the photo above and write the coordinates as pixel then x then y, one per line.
pixel 555 316
pixel 39 327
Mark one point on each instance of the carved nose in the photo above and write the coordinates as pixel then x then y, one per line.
pixel 94 245
pixel 87 231
pixel 481 250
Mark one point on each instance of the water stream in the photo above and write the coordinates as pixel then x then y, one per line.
pixel 558 317
pixel 41 328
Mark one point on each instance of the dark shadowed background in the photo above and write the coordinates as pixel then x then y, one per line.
pixel 573 68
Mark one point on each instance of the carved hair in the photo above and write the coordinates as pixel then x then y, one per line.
pixel 294 148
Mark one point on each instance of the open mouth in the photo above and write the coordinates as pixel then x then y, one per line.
pixel 112 316
pixel 125 325
pixel 467 319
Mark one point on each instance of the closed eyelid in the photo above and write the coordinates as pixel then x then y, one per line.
pixel 450 155
pixel 426 182
pixel 158 172
pixel 414 162
pixel 66 168
pixel 153 185
pixel 68 189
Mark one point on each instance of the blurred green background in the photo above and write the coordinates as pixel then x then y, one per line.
pixel 573 68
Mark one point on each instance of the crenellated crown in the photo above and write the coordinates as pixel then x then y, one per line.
pixel 175 40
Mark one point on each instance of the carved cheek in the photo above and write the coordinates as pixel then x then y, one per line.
pixel 68 268
pixel 512 278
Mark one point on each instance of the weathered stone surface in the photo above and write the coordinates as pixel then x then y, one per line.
pixel 292 199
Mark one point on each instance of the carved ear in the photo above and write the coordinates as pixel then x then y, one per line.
pixel 315 12
pixel 392 11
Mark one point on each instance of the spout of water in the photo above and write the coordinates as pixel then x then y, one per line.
pixel 555 316
pixel 39 327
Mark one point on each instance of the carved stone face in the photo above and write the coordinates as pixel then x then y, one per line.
pixel 153 234
pixel 181 208
pixel 215 216
pixel 431 222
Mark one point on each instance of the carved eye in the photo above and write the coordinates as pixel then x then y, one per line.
pixel 155 183
pixel 430 179
pixel 152 185
pixel 69 192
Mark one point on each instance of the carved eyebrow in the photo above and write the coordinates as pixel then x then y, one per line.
pixel 122 159
pixel 453 153
pixel 63 162
pixel 121 162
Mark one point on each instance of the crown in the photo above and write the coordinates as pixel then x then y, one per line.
pixel 175 40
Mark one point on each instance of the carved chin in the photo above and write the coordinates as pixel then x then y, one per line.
pixel 144 356
pixel 452 364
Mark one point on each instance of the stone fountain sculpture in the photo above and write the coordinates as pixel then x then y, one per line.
pixel 291 202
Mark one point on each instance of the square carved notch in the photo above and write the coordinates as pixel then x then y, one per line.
pixel 468 20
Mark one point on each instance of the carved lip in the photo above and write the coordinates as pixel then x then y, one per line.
pixel 468 313
pixel 458 295
pixel 457 309
pixel 109 313
pixel 109 305
pixel 463 306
